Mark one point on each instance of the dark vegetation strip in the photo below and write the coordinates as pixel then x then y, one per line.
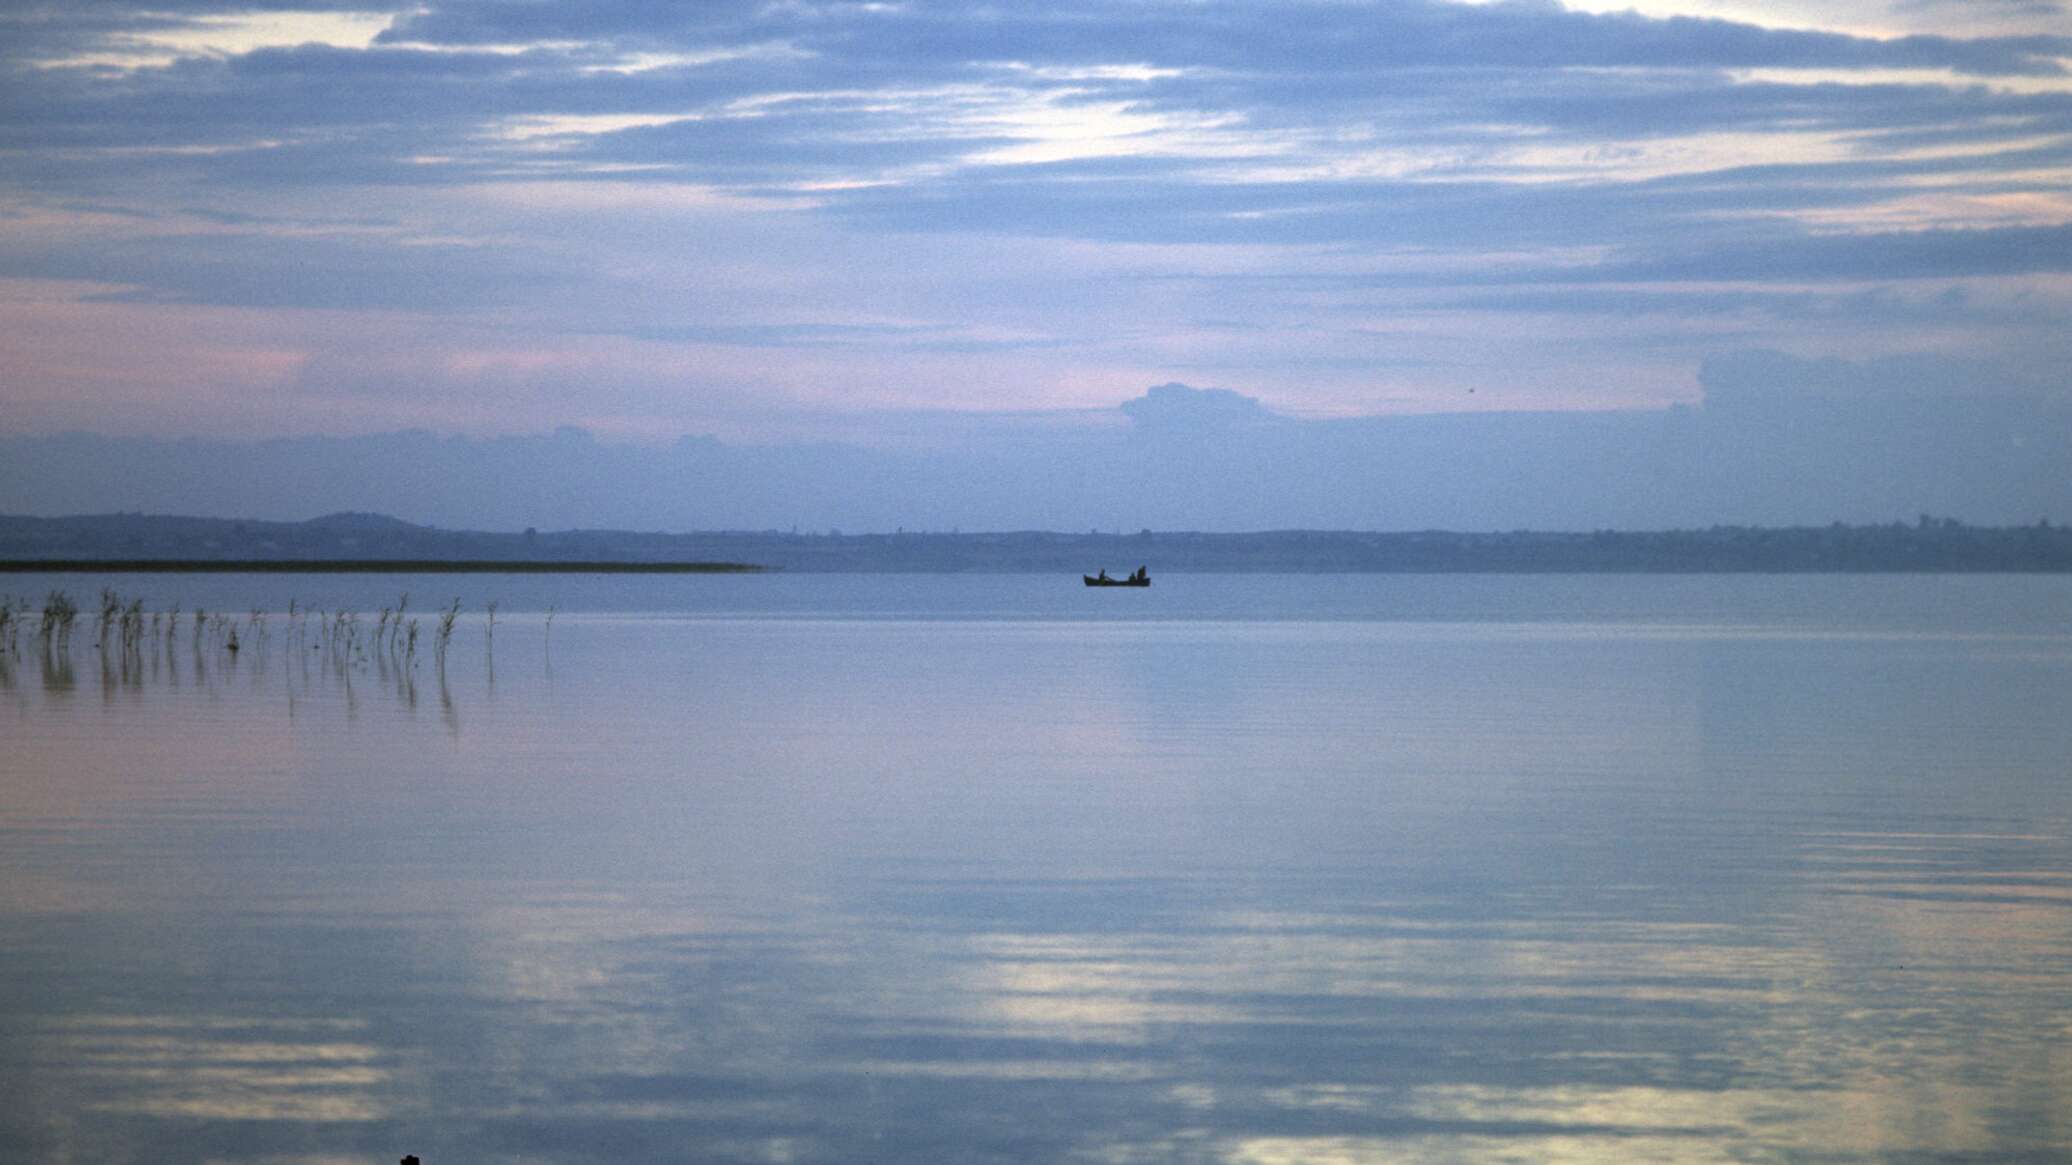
pixel 357 566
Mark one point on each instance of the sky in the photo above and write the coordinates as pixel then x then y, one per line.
pixel 910 234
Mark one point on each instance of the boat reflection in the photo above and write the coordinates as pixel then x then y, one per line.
pixel 1224 892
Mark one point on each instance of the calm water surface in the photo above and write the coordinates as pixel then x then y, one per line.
pixel 995 868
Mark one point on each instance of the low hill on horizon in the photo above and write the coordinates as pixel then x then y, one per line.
pixel 1927 544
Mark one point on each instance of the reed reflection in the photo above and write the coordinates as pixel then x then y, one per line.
pixel 131 649
pixel 59 675
pixel 737 890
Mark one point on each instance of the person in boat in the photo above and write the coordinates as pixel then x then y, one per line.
pixel 1103 576
pixel 1141 573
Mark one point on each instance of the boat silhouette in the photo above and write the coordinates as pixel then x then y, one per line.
pixel 1142 578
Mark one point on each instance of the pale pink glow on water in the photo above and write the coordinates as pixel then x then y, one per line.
pixel 1651 869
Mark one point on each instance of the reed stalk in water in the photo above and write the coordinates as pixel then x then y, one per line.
pixel 55 626
pixel 445 633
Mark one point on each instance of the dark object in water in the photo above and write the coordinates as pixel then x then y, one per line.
pixel 410 1160
pixel 1142 578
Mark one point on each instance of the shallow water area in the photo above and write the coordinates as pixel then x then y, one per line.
pixel 998 868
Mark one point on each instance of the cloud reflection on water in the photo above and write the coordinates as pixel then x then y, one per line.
pixel 222 1068
pixel 719 889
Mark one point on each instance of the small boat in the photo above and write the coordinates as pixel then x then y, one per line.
pixel 1142 578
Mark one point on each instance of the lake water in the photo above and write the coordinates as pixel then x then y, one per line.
pixel 997 868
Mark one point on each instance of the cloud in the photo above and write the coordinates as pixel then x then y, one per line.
pixel 247 269
pixel 1178 410
pixel 1758 380
pixel 1044 200
pixel 1777 439
pixel 1301 36
pixel 1923 254
pixel 863 78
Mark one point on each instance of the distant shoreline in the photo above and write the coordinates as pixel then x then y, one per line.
pixel 357 566
pixel 374 543
pixel 431 566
